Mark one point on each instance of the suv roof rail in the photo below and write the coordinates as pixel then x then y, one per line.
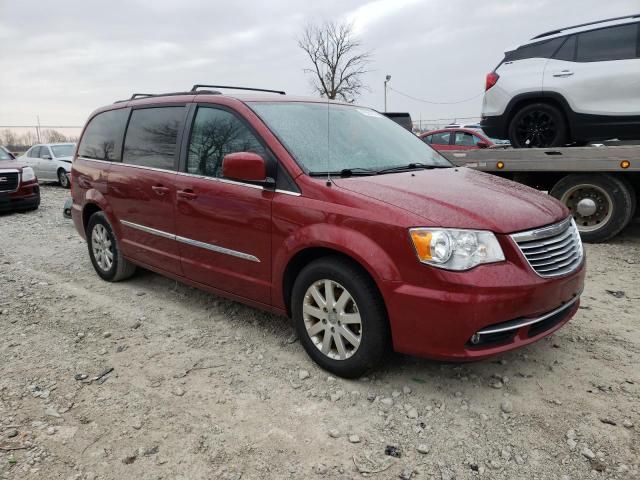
pixel 136 96
pixel 560 30
pixel 198 85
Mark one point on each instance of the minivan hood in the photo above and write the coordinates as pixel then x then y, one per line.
pixel 461 198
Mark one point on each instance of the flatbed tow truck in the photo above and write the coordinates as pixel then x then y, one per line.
pixel 599 185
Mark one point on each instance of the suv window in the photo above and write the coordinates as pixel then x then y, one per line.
pixel 613 43
pixel 441 138
pixel 543 49
pixel 34 152
pixel 215 134
pixel 568 50
pixel 102 139
pixel 152 137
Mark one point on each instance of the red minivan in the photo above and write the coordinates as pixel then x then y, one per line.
pixel 331 214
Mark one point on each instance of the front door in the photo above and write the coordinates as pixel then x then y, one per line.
pixel 142 191
pixel 46 165
pixel 223 227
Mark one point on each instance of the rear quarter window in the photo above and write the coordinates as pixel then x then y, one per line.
pixel 544 49
pixel 102 139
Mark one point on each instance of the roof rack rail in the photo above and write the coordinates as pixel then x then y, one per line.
pixel 198 85
pixel 560 30
pixel 136 96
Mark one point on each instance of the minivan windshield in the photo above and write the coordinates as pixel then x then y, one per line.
pixel 342 138
pixel 63 150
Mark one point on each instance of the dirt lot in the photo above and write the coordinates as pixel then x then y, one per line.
pixel 204 388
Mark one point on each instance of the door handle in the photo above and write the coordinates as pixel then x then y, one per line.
pixel 563 73
pixel 187 194
pixel 160 189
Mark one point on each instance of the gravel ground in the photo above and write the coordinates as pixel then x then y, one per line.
pixel 151 379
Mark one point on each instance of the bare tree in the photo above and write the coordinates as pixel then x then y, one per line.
pixel 338 66
pixel 53 136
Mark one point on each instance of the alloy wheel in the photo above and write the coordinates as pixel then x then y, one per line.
pixel 332 319
pixel 536 129
pixel 102 247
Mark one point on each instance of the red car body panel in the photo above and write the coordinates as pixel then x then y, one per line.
pixel 27 194
pixel 432 312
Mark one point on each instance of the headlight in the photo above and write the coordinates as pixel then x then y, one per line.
pixel 28 174
pixel 453 249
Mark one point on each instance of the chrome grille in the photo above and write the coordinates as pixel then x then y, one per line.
pixel 552 251
pixel 9 180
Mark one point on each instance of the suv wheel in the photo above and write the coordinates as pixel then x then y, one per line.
pixel 538 125
pixel 105 252
pixel 340 317
pixel 63 178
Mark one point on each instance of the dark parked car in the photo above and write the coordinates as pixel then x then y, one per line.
pixel 356 228
pixel 19 189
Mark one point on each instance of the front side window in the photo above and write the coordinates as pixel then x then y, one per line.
pixel 427 139
pixel 102 139
pixel 34 152
pixel 332 137
pixel 216 133
pixel 152 137
pixel 613 43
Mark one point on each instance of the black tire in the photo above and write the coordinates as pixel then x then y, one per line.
pixel 609 192
pixel 120 268
pixel 63 178
pixel 538 125
pixel 374 332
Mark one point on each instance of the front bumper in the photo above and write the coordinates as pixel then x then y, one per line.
pixel 508 307
pixel 27 197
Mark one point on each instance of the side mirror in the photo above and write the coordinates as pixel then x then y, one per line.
pixel 482 144
pixel 244 166
pixel 46 157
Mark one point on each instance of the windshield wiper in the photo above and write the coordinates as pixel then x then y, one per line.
pixel 346 172
pixel 411 166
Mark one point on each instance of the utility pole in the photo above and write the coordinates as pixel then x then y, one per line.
pixel 387 78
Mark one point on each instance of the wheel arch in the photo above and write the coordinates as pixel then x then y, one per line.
pixel 89 209
pixel 305 255
pixel 551 98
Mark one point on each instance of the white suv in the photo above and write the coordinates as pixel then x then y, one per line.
pixel 570 85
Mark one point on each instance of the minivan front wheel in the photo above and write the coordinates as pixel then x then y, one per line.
pixel 104 250
pixel 538 125
pixel 340 317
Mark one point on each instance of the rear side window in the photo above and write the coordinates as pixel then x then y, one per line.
pixel 567 51
pixel 152 137
pixel 543 49
pixel 427 139
pixel 102 139
pixel 215 134
pixel 613 43
pixel 441 138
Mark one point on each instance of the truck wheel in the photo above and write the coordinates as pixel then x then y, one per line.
pixel 602 205
pixel 340 317
pixel 538 125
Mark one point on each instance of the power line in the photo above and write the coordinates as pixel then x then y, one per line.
pixel 434 103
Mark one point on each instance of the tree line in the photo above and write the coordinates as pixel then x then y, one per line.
pixel 11 139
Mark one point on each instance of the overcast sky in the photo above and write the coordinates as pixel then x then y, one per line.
pixel 62 59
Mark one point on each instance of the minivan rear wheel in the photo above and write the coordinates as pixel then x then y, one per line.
pixel 104 250
pixel 538 125
pixel 340 317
